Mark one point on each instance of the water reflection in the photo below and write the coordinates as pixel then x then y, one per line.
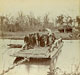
pixel 34 67
pixel 70 55
pixel 39 66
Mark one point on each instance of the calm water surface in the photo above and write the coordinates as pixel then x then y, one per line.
pixel 68 59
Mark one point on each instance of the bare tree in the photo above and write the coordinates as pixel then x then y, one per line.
pixel 46 20
pixel 78 20
pixel 59 20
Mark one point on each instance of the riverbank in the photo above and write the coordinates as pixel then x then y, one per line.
pixel 20 35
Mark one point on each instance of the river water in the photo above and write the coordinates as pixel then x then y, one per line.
pixel 68 60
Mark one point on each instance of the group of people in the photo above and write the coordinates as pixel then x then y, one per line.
pixel 36 39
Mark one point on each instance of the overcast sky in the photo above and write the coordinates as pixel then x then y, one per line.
pixel 40 7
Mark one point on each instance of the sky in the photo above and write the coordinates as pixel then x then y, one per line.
pixel 40 7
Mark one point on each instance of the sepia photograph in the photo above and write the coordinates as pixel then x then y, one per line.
pixel 39 37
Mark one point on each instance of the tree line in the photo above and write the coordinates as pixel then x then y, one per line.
pixel 25 22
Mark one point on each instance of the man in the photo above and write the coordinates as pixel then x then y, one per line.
pixel 33 40
pixel 38 39
pixel 53 38
pixel 42 41
pixel 26 41
pixel 47 40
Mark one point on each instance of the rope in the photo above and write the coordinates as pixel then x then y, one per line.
pixel 12 67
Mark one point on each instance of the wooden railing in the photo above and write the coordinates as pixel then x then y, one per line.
pixel 55 45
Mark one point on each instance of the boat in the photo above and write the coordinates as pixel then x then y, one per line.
pixel 14 45
pixel 49 52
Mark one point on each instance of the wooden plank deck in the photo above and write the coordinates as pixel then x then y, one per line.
pixel 41 52
pixel 38 52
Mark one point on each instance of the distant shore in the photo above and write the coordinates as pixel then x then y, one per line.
pixel 20 35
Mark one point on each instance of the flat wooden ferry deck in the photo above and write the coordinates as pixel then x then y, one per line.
pixel 41 52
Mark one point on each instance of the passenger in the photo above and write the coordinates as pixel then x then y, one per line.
pixel 50 40
pixel 47 43
pixel 38 39
pixel 33 40
pixel 53 38
pixel 42 42
pixel 26 39
pixel 45 39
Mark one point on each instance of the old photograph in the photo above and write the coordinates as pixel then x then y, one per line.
pixel 39 37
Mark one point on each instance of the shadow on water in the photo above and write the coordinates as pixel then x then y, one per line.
pixel 70 55
pixel 36 62
pixel 33 61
